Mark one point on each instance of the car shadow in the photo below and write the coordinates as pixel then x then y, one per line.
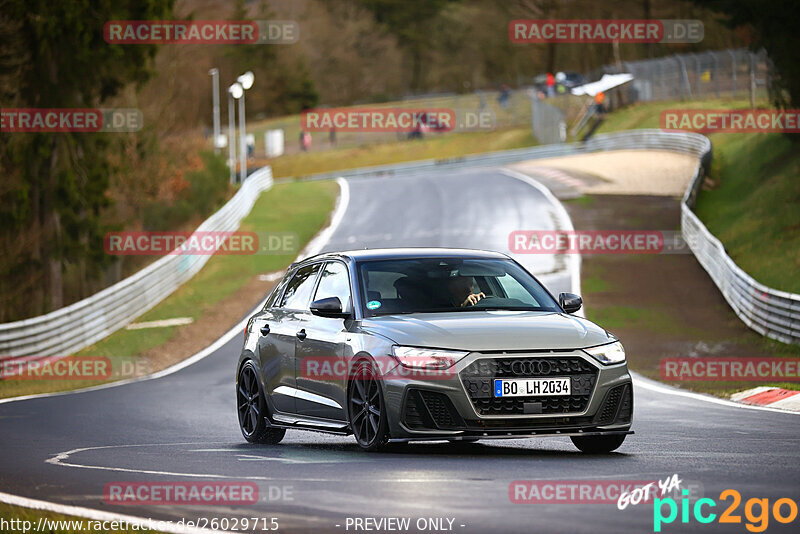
pixel 440 449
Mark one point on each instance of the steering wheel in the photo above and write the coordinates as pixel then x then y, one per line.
pixel 483 299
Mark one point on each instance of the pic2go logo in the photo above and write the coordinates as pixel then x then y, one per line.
pixel 758 521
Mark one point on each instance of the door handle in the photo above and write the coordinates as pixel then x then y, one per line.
pixel 265 330
pixel 301 335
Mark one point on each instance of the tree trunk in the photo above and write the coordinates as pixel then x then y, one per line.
pixel 37 305
pixel 52 238
pixel 648 47
pixel 416 68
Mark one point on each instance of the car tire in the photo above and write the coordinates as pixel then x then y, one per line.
pixel 366 408
pixel 598 444
pixel 251 408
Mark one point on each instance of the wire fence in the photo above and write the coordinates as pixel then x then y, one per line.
pixel 735 73
pixel 507 108
pixel 547 122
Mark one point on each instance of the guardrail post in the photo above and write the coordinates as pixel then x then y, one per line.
pixel 752 80
pixel 685 74
pixel 698 74
pixel 716 73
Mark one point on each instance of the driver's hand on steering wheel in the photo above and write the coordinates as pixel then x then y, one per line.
pixel 473 299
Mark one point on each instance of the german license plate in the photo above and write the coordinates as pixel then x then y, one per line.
pixel 531 387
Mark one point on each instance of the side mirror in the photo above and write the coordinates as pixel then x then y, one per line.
pixel 328 307
pixel 570 302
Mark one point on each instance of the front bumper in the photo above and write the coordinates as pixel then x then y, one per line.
pixel 460 404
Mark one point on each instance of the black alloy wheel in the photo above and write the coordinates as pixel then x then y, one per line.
pixel 252 408
pixel 367 408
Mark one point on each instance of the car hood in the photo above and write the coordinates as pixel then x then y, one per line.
pixel 489 330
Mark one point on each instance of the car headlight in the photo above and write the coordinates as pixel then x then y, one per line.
pixel 420 358
pixel 608 354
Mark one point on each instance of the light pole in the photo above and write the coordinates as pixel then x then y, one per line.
pixel 215 98
pixel 234 92
pixel 245 81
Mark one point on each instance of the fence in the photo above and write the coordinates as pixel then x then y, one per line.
pixel 506 110
pixel 719 73
pixel 633 139
pixel 69 329
pixel 770 312
pixel 547 122
pixel 725 73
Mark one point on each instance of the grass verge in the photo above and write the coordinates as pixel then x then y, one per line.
pixel 302 208
pixel 430 147
pixel 648 114
pixel 751 201
pixel 753 205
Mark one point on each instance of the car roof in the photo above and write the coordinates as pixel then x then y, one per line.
pixel 371 254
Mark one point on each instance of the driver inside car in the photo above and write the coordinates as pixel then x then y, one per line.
pixel 411 295
pixel 461 295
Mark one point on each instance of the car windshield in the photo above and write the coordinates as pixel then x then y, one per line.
pixel 425 285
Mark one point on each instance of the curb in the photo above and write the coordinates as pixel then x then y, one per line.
pixel 783 399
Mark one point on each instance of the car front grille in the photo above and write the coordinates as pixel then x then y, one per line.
pixel 478 379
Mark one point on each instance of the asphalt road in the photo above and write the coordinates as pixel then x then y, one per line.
pixel 182 427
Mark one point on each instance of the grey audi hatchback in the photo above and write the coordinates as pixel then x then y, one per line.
pixel 395 345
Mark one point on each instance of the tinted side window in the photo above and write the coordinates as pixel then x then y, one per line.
pixel 334 282
pixel 299 289
pixel 272 301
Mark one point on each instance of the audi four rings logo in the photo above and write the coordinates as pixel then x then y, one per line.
pixel 531 367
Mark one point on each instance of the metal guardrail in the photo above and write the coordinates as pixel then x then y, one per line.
pixel 772 313
pixel 629 140
pixel 69 329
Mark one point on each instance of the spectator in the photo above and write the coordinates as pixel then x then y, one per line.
pixel 503 96
pixel 599 98
pixel 551 84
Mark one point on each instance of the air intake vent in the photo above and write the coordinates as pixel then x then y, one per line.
pixel 430 410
